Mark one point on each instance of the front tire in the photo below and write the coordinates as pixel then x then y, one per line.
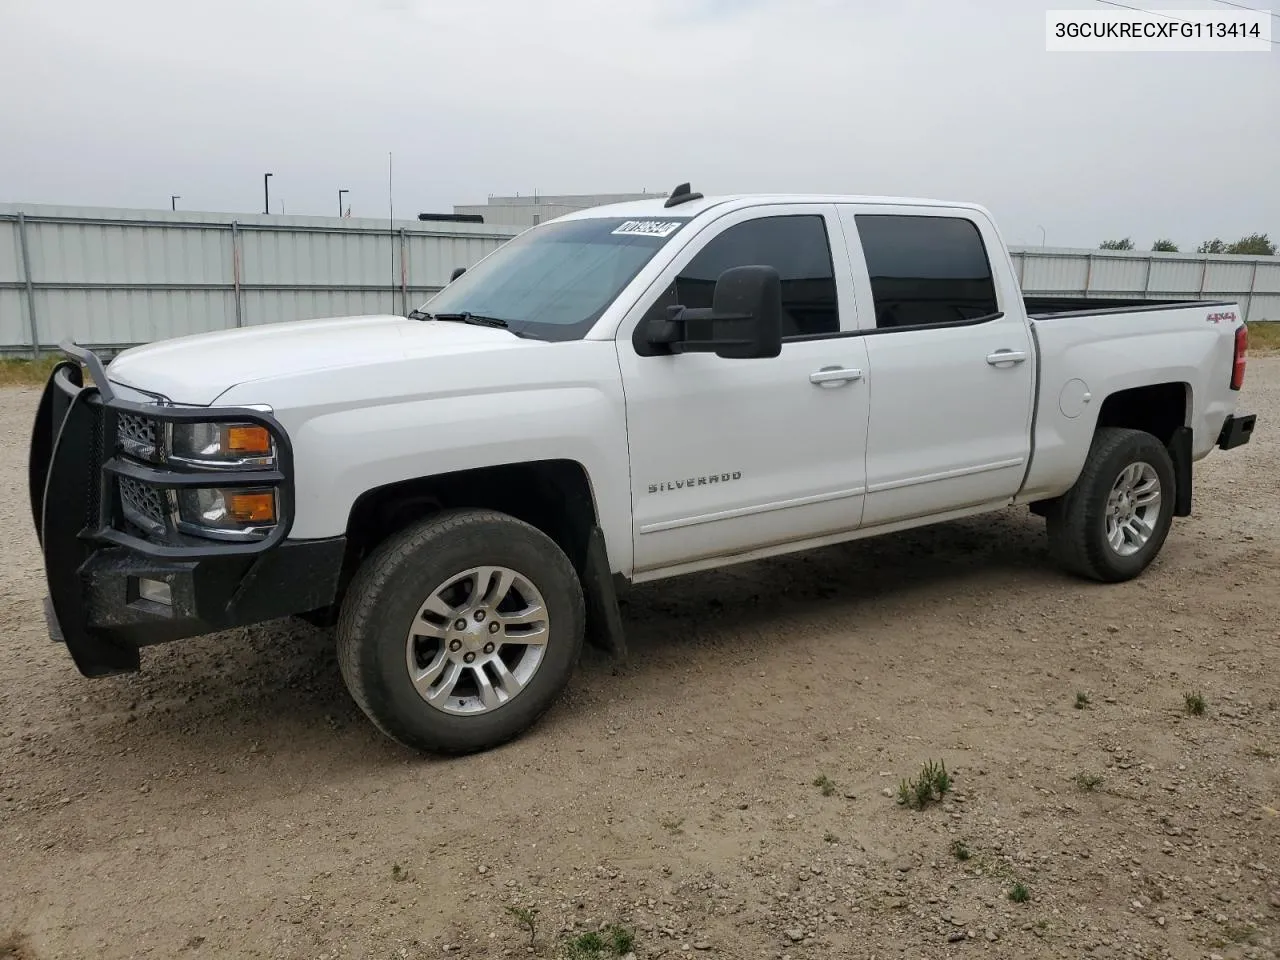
pixel 459 632
pixel 1113 521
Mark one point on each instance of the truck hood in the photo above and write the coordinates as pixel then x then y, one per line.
pixel 198 369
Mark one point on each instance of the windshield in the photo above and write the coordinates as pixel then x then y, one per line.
pixel 554 281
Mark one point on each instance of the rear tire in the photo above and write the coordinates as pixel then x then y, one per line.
pixel 460 631
pixel 1114 520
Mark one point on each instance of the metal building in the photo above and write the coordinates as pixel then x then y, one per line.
pixel 529 211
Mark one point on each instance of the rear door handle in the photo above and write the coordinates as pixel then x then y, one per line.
pixel 835 376
pixel 1006 356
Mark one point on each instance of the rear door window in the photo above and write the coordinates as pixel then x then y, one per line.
pixel 926 271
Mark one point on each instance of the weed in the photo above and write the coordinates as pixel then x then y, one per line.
pixel 932 783
pixel 672 824
pixel 398 873
pixel 1082 700
pixel 959 850
pixel 924 792
pixel 612 940
pixel 941 779
pixel 1263 753
pixel 823 783
pixel 1088 782
pixel 1019 893
pixel 621 939
pixel 1194 703
pixel 830 837
pixel 585 946
pixel 526 918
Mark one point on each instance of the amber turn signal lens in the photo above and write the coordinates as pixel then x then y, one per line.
pixel 248 440
pixel 251 507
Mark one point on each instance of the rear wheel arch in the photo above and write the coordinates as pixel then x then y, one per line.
pixel 1163 410
pixel 1157 408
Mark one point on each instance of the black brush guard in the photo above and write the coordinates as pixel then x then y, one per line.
pixel 93 559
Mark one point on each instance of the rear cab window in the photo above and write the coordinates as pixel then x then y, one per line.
pixel 926 271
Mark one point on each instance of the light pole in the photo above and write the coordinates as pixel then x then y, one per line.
pixel 266 192
pixel 340 193
pixel 1041 229
pixel 173 201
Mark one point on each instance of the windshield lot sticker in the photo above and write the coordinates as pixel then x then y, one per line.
pixel 648 228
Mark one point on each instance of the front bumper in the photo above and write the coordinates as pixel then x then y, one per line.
pixel 96 561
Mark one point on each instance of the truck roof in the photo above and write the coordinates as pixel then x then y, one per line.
pixel 691 208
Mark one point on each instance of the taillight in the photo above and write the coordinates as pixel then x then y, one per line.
pixel 1242 349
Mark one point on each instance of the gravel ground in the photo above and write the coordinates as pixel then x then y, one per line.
pixel 729 793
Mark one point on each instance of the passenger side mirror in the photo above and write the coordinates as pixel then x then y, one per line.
pixel 744 321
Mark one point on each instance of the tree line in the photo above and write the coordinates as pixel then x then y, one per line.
pixel 1254 245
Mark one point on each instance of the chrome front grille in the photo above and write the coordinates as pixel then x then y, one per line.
pixel 137 436
pixel 143 504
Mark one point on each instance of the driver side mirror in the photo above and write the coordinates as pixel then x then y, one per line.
pixel 457 272
pixel 744 321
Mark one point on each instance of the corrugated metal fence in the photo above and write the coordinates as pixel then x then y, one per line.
pixel 1253 282
pixel 113 278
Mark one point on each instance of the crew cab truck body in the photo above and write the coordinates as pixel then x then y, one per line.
pixel 625 393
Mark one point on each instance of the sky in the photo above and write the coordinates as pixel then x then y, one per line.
pixel 123 103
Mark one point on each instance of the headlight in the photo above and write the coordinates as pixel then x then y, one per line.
pixel 239 513
pixel 222 445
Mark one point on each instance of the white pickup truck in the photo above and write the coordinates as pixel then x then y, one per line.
pixel 622 394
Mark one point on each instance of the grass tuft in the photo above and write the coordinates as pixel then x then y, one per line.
pixel 960 850
pixel 621 939
pixel 1082 700
pixel 1088 782
pixel 931 784
pixel 585 946
pixel 1019 893
pixel 823 783
pixel 613 941
pixel 1194 703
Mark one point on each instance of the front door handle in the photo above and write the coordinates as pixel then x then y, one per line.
pixel 835 376
pixel 1005 356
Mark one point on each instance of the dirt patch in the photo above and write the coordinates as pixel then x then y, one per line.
pixel 14 947
pixel 732 792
